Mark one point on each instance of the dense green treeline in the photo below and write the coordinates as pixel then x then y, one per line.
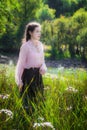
pixel 67 35
pixel 63 25
pixel 66 7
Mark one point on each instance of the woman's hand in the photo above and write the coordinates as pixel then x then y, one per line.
pixel 43 69
pixel 20 88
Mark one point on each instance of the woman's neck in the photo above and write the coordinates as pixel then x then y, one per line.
pixel 34 41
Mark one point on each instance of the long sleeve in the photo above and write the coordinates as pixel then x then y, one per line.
pixel 20 64
pixel 43 68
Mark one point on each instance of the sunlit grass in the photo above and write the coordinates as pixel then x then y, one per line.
pixel 65 101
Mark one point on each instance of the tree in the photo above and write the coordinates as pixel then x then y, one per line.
pixel 45 13
pixel 57 5
pixel 15 15
pixel 7 14
pixel 66 7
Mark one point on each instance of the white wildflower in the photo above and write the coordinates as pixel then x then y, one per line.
pixel 71 89
pixel 48 124
pixel 6 96
pixel 69 108
pixel 41 118
pixel 8 112
pixel 47 88
pixel 85 97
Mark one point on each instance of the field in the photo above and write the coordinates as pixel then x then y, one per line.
pixel 65 101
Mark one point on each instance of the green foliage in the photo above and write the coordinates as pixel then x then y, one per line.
pixel 14 15
pixel 9 39
pixel 66 7
pixel 7 14
pixel 45 13
pixel 67 35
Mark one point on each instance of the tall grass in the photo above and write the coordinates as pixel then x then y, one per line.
pixel 65 106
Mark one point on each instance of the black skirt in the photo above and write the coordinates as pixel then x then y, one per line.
pixel 33 87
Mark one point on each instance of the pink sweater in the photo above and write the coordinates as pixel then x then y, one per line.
pixel 29 57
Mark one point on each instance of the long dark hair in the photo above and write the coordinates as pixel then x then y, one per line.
pixel 29 27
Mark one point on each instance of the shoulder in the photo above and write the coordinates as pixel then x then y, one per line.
pixel 24 46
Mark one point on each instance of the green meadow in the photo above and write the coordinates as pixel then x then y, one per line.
pixel 65 108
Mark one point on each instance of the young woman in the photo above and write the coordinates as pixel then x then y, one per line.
pixel 31 66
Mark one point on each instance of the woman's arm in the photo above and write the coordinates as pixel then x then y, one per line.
pixel 20 64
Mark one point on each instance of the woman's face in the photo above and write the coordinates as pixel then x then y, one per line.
pixel 36 34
